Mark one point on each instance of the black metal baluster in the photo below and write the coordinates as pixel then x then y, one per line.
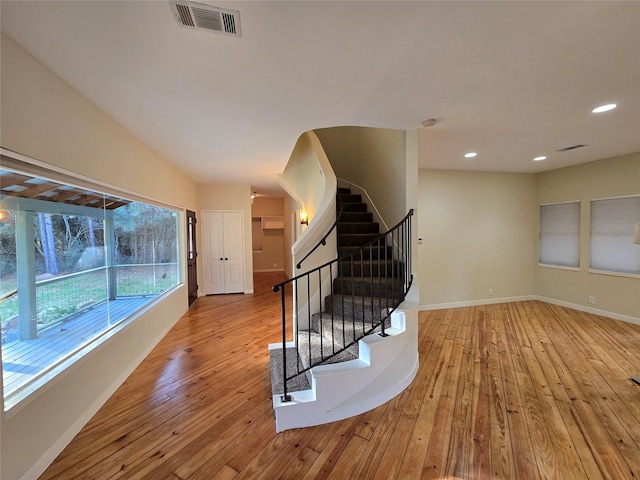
pixel 397 250
pixel 285 397
pixel 321 328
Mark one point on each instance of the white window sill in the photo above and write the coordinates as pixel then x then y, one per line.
pixel 559 267
pixel 615 274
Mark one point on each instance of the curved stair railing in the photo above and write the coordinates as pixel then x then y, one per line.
pixel 336 304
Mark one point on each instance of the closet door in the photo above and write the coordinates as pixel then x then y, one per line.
pixel 223 252
pixel 233 253
pixel 212 252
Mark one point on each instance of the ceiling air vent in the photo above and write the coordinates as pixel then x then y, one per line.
pixel 572 147
pixel 206 17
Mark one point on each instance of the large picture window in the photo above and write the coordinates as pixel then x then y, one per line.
pixel 74 265
pixel 613 228
pixel 560 234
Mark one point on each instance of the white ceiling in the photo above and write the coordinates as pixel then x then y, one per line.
pixel 509 80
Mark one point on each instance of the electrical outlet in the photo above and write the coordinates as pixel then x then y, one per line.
pixel 592 300
pixel 491 292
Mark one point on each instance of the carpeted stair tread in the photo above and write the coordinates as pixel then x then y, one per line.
pixel 348 217
pixel 296 384
pixel 376 287
pixel 358 227
pixel 373 252
pixel 351 207
pixel 342 333
pixel 355 239
pixel 370 268
pixel 370 309
pixel 349 198
pixel 309 347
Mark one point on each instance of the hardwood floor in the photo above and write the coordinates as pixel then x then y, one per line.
pixel 523 390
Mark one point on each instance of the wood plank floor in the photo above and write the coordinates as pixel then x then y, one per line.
pixel 523 390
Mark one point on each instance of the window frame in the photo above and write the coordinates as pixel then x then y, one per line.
pixel 15 400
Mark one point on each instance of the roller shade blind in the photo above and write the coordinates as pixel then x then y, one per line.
pixel 560 234
pixel 613 226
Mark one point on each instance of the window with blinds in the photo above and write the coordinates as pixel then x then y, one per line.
pixel 613 225
pixel 560 234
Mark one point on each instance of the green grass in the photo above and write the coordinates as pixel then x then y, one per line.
pixel 56 300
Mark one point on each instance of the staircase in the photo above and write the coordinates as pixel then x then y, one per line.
pixel 367 273
pixel 368 283
pixel 337 346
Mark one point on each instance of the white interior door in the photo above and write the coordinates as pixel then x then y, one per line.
pixel 223 252
pixel 233 253
pixel 212 252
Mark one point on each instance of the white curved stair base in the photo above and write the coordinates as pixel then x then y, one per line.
pixel 385 367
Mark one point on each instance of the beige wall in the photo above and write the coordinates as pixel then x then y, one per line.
pixel 479 233
pixel 44 118
pixel 291 227
pixel 272 255
pixel 311 183
pixel 411 195
pixel 374 159
pixel 232 198
pixel 612 177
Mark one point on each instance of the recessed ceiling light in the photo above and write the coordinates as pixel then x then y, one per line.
pixel 470 155
pixel 541 157
pixel 604 108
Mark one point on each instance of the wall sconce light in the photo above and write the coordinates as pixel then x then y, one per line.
pixel 304 218
pixel 253 195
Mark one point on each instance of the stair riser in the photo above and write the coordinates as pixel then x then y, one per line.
pixel 332 325
pixel 309 349
pixel 349 198
pixel 356 217
pixel 356 240
pixel 368 289
pixel 358 227
pixel 372 253
pixel 358 308
pixel 351 207
pixel 375 269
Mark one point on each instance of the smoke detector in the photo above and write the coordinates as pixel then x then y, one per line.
pixel 202 16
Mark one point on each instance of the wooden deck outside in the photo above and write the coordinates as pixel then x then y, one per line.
pixel 523 390
pixel 24 360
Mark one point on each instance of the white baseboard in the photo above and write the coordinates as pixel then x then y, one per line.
pixel 575 306
pixel 473 303
pixel 595 311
